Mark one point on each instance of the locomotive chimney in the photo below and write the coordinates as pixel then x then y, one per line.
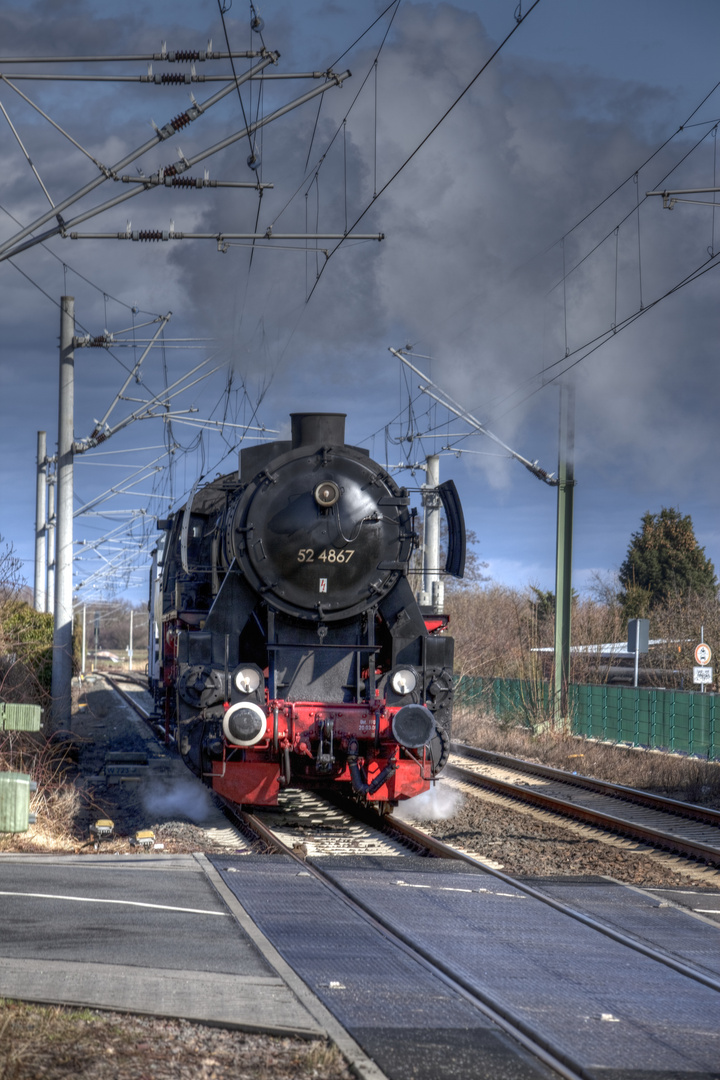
pixel 318 429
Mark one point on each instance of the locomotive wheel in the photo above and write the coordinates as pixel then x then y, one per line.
pixel 439 749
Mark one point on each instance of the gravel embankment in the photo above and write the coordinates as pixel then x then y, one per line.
pixel 525 845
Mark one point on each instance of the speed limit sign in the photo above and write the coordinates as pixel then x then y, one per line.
pixel 703 654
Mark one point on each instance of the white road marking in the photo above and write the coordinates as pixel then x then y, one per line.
pixel 128 903
pixel 450 888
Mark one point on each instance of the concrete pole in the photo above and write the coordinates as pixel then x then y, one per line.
pixel 39 593
pixel 62 639
pixel 50 598
pixel 563 565
pixel 84 638
pixel 130 646
pixel 152 673
pixel 432 585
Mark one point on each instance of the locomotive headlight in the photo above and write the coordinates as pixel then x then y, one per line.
pixel 247 679
pixel 404 681
pixel 413 726
pixel 244 724
pixel 326 494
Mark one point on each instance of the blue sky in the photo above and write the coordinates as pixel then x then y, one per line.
pixel 478 226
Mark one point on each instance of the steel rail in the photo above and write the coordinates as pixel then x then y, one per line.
pixel 604 787
pixel 444 851
pixel 517 1029
pixel 155 723
pixel 693 848
pixel 439 849
pixel 114 682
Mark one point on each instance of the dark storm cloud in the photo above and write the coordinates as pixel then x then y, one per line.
pixel 468 271
pixel 513 167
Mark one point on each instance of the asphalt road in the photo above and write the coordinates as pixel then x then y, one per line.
pixel 257 942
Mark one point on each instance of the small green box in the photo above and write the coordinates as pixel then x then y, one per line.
pixel 19 717
pixel 15 791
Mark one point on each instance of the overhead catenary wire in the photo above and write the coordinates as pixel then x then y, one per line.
pixel 232 64
pixel 590 346
pixel 561 240
pixel 394 4
pixel 430 133
pixel 374 71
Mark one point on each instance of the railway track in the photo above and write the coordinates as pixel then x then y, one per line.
pixel 120 682
pixel 297 832
pixel 294 831
pixel 684 828
pixel 310 830
pixel 314 832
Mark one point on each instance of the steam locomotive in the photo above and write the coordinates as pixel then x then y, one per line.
pixel 290 647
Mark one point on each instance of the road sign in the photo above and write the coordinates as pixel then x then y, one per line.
pixel 703 654
pixel 703 675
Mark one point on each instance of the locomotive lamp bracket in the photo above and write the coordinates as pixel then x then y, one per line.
pixel 247 678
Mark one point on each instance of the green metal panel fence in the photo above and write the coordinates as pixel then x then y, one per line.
pixel 658 719
pixel 508 699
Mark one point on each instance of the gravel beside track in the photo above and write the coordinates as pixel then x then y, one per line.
pixel 166 798
pixel 525 842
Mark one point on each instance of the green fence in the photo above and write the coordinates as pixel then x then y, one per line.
pixel 658 719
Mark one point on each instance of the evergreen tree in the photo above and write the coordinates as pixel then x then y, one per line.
pixel 664 560
pixel 543 606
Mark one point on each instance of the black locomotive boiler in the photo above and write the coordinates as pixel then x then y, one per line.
pixel 291 649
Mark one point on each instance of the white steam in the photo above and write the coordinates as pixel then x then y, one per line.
pixel 437 804
pixel 185 799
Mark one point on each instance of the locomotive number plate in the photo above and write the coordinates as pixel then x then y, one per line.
pixel 330 555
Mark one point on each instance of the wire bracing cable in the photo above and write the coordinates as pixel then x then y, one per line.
pixel 429 135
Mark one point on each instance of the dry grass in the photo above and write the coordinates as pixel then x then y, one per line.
pixel 56 1043
pixel 686 778
pixel 55 803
